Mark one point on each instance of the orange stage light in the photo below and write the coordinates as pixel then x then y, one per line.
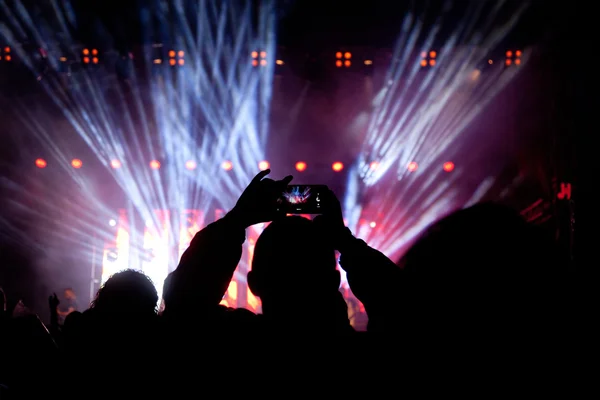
pixel 154 164
pixel 227 165
pixel 412 166
pixel 76 163
pixel 300 166
pixel 337 166
pixel 40 163
pixel 263 165
pixel 448 166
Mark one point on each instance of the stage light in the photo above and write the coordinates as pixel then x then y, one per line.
pixel 40 163
pixel 337 166
pixel 115 164
pixel 373 224
pixel 300 166
pixel 338 54
pixel 412 166
pixel 176 58
pixel 5 54
pixel 76 163
pixel 112 222
pixel 338 63
pixel 95 60
pixel 279 62
pixel 191 165
pixel 227 165
pixel 155 164
pixel 347 63
pixel 347 55
pixel 428 58
pixel 368 62
pixel 490 61
pixel 157 61
pixel 263 165
pixel 255 58
pixel 374 165
pixel 510 59
pixel 448 166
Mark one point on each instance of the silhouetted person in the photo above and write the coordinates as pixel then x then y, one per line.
pixel 121 327
pixel 294 271
pixel 481 269
pixel 294 274
pixel 67 306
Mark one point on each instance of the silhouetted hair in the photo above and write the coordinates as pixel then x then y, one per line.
pixel 128 291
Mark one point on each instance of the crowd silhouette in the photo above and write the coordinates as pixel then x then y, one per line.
pixel 479 273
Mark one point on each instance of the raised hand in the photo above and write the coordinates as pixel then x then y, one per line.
pixel 258 202
pixel 53 301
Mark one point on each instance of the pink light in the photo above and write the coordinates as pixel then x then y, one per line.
pixel 448 166
pixel 263 165
pixel 154 164
pixel 227 165
pixel 412 166
pixel 190 164
pixel 374 165
pixel 115 164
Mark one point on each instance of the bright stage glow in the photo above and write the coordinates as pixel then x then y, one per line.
pixel 115 164
pixel 76 163
pixel 227 165
pixel 209 106
pixel 337 166
pixel 448 166
pixel 191 165
pixel 423 115
pixel 300 166
pixel 112 222
pixel 263 165
pixel 40 163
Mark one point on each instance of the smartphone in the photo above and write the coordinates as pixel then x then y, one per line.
pixel 302 199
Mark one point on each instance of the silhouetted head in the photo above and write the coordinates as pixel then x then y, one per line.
pixel 69 294
pixel 482 258
pixel 127 292
pixel 293 265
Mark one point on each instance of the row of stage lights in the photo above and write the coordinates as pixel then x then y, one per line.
pixel 191 165
pixel 259 58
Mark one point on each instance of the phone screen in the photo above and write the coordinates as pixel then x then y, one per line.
pixel 302 199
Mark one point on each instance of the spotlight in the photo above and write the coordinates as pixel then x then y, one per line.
pixel 263 165
pixel 337 166
pixel 374 165
pixel 5 54
pixel 300 166
pixel 513 57
pixel 76 163
pixel 373 224
pixel 259 58
pixel 412 166
pixel 40 163
pixel 154 164
pixel 279 62
pixel 176 57
pixel 227 165
pixel 112 222
pixel 368 62
pixel 191 165
pixel 428 58
pixel 448 166
pixel 115 164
